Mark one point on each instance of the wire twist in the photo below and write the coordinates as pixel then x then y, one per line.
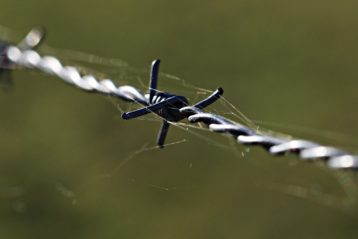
pixel 306 150
pixel 52 66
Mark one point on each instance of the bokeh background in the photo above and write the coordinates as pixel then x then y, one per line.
pixel 71 168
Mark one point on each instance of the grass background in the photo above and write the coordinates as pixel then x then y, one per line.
pixel 288 62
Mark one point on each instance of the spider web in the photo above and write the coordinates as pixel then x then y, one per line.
pixel 343 196
pixel 125 74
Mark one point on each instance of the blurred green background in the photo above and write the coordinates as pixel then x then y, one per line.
pixel 71 168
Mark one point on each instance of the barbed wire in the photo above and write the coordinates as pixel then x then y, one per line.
pixel 24 56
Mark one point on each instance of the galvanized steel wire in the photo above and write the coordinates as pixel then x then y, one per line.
pixel 306 150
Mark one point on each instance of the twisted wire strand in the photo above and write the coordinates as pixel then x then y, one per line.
pixel 306 150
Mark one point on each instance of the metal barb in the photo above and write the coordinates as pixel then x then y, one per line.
pixel 167 105
pixel 170 107
pixel 33 39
